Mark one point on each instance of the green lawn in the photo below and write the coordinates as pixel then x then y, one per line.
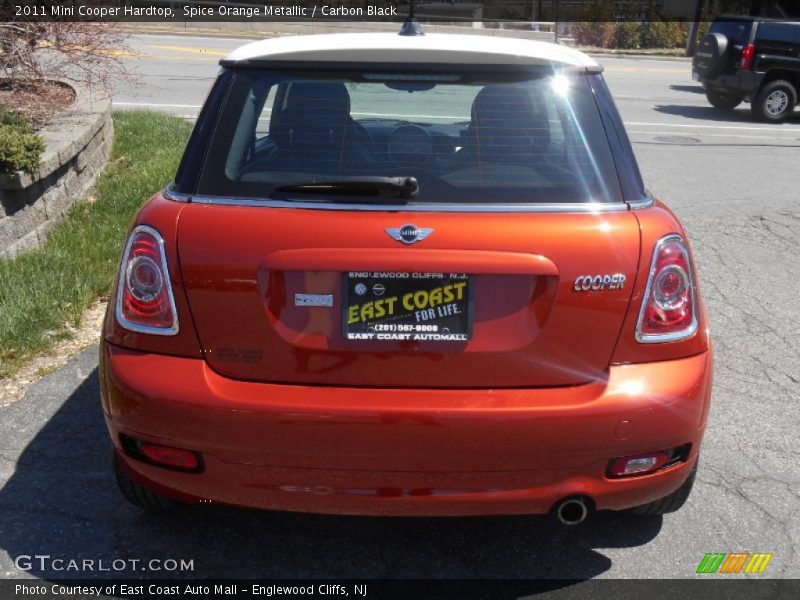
pixel 42 290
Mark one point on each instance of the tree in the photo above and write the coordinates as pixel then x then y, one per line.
pixel 80 52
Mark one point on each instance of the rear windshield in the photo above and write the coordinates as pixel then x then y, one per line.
pixel 525 137
pixel 735 31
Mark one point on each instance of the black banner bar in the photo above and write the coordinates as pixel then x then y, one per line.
pixel 452 11
pixel 711 588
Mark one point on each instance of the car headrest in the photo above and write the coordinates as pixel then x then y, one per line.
pixel 508 119
pixel 329 98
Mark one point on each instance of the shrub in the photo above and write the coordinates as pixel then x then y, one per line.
pixel 654 32
pixel 596 27
pixel 14 119
pixel 20 148
pixel 627 35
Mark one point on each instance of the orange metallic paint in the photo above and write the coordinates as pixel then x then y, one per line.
pixel 405 451
pixel 163 216
pixel 552 385
pixel 655 223
pixel 243 265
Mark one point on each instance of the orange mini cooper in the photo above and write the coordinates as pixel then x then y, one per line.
pixel 407 275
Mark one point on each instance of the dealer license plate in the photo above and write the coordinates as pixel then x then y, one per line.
pixel 407 306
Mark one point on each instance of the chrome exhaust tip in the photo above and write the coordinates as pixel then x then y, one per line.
pixel 572 511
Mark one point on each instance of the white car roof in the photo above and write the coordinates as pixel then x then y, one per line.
pixel 443 48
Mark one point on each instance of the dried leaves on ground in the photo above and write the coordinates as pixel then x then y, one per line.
pixel 38 102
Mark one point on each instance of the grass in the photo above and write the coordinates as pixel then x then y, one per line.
pixel 43 290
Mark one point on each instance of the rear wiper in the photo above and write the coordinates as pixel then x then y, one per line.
pixel 360 186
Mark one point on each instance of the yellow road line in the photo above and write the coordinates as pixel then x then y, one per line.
pixel 190 50
pixel 101 51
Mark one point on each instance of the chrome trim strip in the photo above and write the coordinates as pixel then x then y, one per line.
pixel 170 194
pixel 123 322
pixel 585 207
pixel 645 202
pixel 655 338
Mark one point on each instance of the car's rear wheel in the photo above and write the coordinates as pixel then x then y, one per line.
pixel 723 101
pixel 140 496
pixel 670 503
pixel 775 101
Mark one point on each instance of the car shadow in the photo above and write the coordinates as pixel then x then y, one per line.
pixel 741 114
pixel 697 89
pixel 61 500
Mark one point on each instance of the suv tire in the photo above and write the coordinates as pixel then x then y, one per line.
pixel 775 101
pixel 712 53
pixel 670 503
pixel 140 496
pixel 723 101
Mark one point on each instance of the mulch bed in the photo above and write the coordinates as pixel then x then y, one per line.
pixel 39 102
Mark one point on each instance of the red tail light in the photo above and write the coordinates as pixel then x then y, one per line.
pixel 747 56
pixel 162 456
pixel 144 294
pixel 171 457
pixel 668 310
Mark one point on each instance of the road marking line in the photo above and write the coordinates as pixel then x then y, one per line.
pixel 154 105
pixel 644 70
pixel 190 50
pixel 183 38
pixel 742 128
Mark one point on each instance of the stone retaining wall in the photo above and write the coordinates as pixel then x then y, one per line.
pixel 78 144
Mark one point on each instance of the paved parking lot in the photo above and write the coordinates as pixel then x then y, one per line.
pixel 735 184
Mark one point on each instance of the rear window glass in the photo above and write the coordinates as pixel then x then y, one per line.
pixel 778 32
pixel 735 31
pixel 526 137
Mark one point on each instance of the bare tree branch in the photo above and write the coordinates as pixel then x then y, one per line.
pixel 82 52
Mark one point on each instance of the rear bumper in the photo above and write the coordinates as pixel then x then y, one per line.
pixel 743 83
pixel 404 451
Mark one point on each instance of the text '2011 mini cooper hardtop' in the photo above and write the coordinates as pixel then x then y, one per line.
pixel 407 275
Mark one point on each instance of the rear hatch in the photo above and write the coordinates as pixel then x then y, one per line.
pixel 270 292
pixel 305 261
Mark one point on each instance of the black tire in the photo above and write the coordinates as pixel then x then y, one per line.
pixel 671 503
pixel 711 55
pixel 775 101
pixel 139 496
pixel 723 101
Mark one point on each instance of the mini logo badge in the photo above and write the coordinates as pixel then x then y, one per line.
pixel 408 234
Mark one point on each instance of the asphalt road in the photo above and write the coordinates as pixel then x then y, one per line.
pixel 735 184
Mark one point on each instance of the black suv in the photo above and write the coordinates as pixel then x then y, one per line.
pixel 751 59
